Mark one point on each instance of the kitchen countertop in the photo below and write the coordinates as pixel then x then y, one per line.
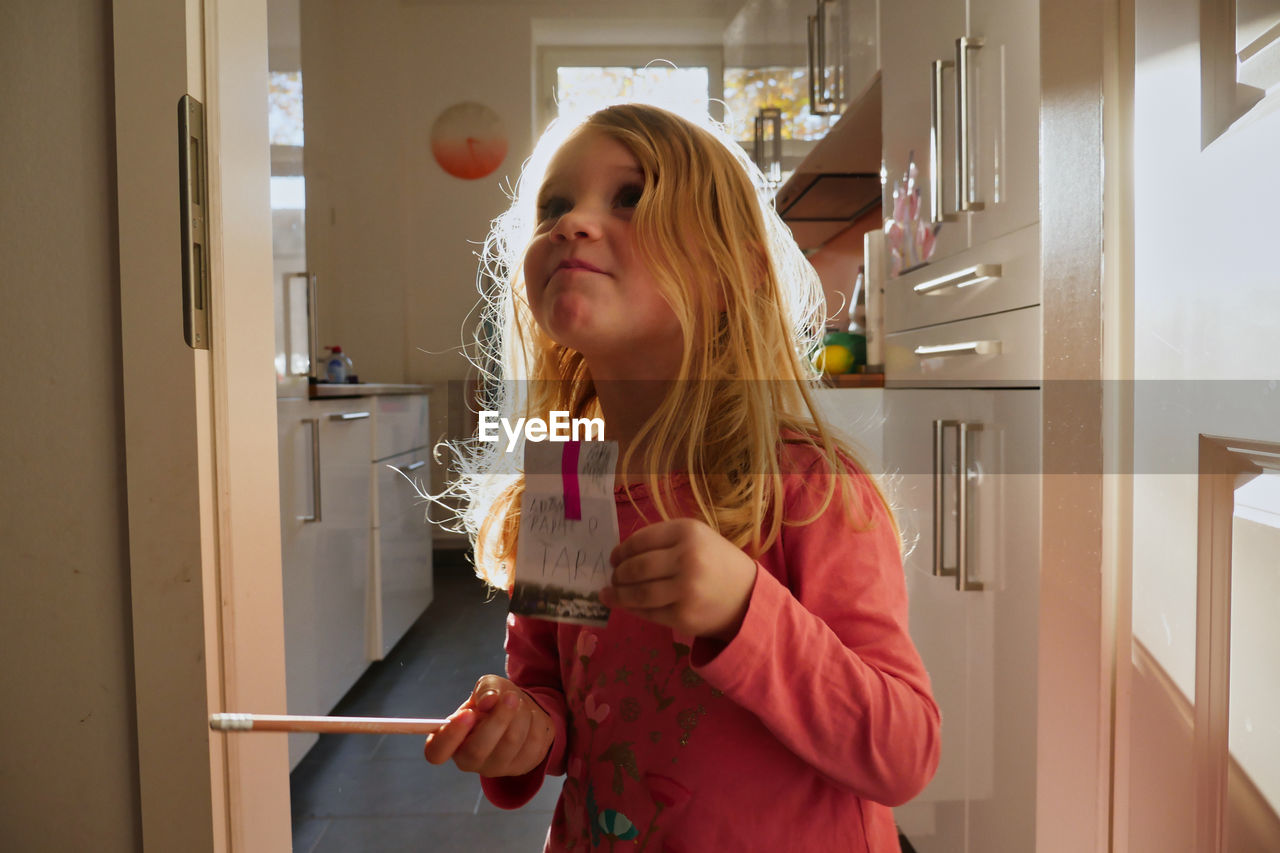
pixel 327 390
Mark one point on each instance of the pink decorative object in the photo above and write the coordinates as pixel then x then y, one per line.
pixel 910 237
pixel 468 140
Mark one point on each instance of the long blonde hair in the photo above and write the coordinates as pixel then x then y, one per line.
pixel 750 307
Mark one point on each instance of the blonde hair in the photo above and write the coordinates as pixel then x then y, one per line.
pixel 750 307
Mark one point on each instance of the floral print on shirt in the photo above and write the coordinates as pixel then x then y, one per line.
pixel 632 710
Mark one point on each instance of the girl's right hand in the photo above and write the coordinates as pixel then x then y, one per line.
pixel 499 731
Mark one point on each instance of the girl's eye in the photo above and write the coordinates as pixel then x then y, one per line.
pixel 629 196
pixel 552 208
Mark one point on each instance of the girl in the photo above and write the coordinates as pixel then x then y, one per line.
pixel 755 687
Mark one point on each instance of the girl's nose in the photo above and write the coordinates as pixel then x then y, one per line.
pixel 578 223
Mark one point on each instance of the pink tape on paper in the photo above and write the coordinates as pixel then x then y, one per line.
pixel 569 471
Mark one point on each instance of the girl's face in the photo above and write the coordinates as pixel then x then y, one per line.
pixel 586 285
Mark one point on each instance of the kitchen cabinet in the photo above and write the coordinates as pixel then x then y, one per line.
pixel 963 354
pixel 325 524
pixel 974 136
pixel 858 414
pixel 963 371
pixel 356 545
pixel 813 58
pixel 401 575
pixel 968 503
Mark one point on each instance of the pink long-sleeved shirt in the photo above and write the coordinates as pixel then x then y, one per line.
pixel 799 734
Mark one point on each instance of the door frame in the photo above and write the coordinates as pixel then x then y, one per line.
pixel 1086 89
pixel 200 434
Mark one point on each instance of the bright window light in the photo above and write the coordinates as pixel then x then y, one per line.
pixel 288 193
pixel 582 90
pixel 284 108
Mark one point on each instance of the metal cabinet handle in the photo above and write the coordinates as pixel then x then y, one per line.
pixel 821 103
pixel 349 416
pixel 965 348
pixel 770 162
pixel 315 470
pixel 960 571
pixel 963 583
pixel 936 213
pixel 966 277
pixel 965 198
pixel 313 315
pixel 939 431
pixel 814 109
pixel 414 466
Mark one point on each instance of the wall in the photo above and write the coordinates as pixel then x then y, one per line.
pixel 69 778
pixel 393 237
pixel 1205 309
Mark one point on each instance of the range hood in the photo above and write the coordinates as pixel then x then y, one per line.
pixel 839 180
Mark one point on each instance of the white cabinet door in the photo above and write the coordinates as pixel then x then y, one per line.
pixel 993 189
pixel 342 561
pixel 402 547
pixel 913 35
pixel 325 527
pixel 1003 473
pixel 860 54
pixel 933 821
pixel 299 538
pixel 1005 127
pixel 971 508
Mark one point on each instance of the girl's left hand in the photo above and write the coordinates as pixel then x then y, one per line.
pixel 683 574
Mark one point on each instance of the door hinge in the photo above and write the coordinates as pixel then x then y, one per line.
pixel 193 186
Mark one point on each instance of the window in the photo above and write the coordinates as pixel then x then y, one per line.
pixel 747 90
pixel 577 80
pixel 284 108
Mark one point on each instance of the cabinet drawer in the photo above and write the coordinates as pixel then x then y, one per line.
pixel 402 548
pixel 401 424
pixel 953 289
pixel 999 349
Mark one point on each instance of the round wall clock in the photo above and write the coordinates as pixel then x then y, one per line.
pixel 468 140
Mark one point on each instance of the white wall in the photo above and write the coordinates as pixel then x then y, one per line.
pixel 69 779
pixel 1206 318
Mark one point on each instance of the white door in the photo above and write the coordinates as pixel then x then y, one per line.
pixel 968 498
pixel 402 547
pixel 1004 89
pixel 1200 767
pixel 914 34
pixel 200 430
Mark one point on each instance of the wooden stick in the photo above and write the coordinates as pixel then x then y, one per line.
pixel 324 725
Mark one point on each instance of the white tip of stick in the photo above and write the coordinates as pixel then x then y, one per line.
pixel 231 722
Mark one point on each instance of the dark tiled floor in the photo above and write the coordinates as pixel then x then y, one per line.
pixel 375 793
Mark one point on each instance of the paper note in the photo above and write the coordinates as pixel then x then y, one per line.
pixel 568 526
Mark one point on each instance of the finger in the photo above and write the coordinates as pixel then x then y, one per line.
pixel 476 749
pixel 489 684
pixel 511 742
pixel 645 596
pixel 649 566
pixel 660 534
pixel 441 744
pixel 538 741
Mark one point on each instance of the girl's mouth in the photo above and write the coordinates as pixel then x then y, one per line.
pixel 577 264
